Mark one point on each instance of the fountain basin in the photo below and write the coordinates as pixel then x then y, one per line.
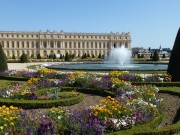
pixel 103 66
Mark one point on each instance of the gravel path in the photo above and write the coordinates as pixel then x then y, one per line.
pixel 171 108
pixel 171 105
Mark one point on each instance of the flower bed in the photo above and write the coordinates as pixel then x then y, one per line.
pixel 131 105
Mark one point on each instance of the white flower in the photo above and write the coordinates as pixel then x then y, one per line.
pixel 59 117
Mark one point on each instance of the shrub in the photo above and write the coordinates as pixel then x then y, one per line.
pixel 174 62
pixel 24 58
pixel 38 56
pixel 155 56
pixel 3 60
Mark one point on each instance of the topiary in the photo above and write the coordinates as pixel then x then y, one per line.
pixel 174 62
pixel 3 60
pixel 24 58
pixel 155 56
pixel 38 56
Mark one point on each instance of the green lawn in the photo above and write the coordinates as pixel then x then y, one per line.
pixel 172 89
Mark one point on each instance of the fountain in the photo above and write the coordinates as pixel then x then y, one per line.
pixel 120 56
pixel 118 59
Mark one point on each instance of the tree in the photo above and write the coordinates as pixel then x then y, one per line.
pixel 142 55
pixel 24 58
pixel 38 56
pixel 164 56
pixel 67 57
pixel 151 56
pixel 51 56
pixel 99 56
pixel 54 56
pixel 88 55
pixel 93 56
pixel 174 62
pixel 32 55
pixel 61 56
pixel 155 56
pixel 149 49
pixel 139 55
pixel 102 56
pixel 3 60
pixel 13 57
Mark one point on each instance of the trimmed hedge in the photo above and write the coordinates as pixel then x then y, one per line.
pixel 90 91
pixel 14 78
pixel 34 104
pixel 151 129
pixel 158 84
pixel 29 104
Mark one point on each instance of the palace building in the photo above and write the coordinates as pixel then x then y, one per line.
pixel 45 43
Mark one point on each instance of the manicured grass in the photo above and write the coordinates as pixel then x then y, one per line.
pixel 33 66
pixel 171 89
pixel 5 82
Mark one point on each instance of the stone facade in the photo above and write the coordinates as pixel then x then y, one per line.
pixel 61 42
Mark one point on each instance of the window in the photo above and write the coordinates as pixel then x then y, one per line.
pixel 22 44
pixel 52 45
pixel 79 45
pixel 17 44
pixel 45 45
pixel 27 44
pixel 7 44
pixel 74 44
pixel 13 44
pixel 58 45
pixel 92 45
pixel 65 44
pixel 69 44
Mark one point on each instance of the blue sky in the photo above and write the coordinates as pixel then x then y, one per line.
pixel 151 22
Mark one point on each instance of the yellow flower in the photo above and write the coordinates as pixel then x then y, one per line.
pixel 11 118
pixel 11 107
pixel 12 123
pixel 96 114
pixel 5 125
pixel 1 127
pixel 3 106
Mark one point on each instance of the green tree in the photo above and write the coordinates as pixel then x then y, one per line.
pixel 139 55
pixel 93 56
pixel 24 58
pixel 67 57
pixel 174 62
pixel 32 55
pixel 13 57
pixel 155 56
pixel 164 56
pixel 61 56
pixel 88 55
pixel 38 56
pixel 142 55
pixel 3 60
pixel 99 56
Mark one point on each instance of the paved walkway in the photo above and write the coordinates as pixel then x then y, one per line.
pixel 24 66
